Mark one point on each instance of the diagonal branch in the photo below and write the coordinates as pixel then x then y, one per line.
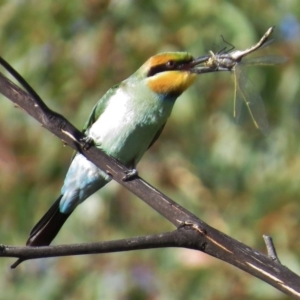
pixel 191 233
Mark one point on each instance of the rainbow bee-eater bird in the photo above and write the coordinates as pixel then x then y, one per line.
pixel 124 123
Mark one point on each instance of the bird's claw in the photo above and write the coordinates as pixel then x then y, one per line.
pixel 130 174
pixel 86 142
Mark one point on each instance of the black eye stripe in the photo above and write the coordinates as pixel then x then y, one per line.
pixel 159 69
pixel 170 65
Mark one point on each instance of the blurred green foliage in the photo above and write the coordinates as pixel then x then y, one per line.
pixel 229 175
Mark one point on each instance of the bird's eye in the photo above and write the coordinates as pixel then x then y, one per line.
pixel 170 64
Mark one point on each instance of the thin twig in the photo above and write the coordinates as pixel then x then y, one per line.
pixel 271 248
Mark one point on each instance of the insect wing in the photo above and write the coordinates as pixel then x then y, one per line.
pixel 239 83
pixel 246 92
pixel 267 60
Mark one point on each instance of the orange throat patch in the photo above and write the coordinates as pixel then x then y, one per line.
pixel 172 82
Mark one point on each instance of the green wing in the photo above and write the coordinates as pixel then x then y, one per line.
pixel 157 135
pixel 98 110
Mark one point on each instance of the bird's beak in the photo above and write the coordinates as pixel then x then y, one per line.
pixel 195 68
pixel 199 60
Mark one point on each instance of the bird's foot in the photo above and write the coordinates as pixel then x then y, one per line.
pixel 130 174
pixel 86 142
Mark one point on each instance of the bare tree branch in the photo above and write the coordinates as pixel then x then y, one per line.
pixel 191 233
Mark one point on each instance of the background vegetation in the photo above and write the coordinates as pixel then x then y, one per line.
pixel 229 175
